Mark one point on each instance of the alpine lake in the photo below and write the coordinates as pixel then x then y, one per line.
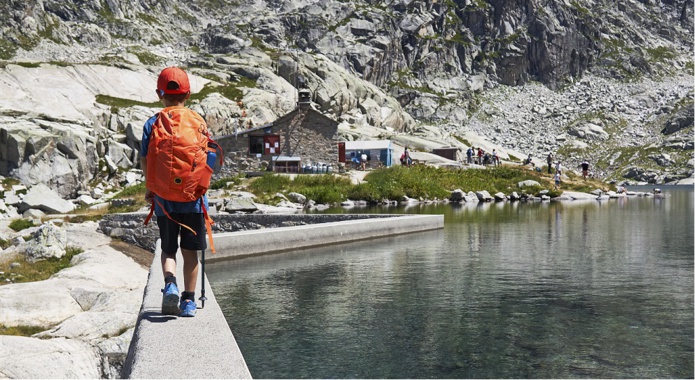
pixel 559 289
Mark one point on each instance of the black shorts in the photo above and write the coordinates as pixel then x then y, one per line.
pixel 169 232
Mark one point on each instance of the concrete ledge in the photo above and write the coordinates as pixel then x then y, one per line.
pixel 263 241
pixel 165 347
pixel 169 347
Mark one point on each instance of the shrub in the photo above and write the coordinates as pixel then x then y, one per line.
pixel 21 224
pixel 131 191
pixel 270 183
pixel 222 182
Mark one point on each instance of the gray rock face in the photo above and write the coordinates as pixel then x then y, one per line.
pixel 437 70
pixel 64 358
pixel 45 199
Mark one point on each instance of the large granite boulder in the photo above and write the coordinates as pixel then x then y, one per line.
pixel 45 199
pixel 48 241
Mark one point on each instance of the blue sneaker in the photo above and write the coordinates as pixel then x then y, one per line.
pixel 170 299
pixel 188 308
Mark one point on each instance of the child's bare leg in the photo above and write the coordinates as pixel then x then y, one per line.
pixel 190 269
pixel 168 264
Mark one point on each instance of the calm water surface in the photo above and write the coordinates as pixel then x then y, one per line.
pixel 581 289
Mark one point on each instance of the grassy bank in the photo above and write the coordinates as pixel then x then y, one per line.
pixel 419 182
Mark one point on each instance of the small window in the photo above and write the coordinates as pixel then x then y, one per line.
pixel 256 145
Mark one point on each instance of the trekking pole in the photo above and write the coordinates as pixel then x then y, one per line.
pixel 202 282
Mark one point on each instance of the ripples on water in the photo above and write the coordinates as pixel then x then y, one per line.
pixel 540 290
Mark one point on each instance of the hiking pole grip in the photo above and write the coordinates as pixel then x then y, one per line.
pixel 202 281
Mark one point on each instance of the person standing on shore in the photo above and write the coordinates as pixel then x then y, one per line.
pixel 585 169
pixel 550 163
pixel 405 158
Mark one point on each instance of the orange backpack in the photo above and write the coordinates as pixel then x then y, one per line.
pixel 177 159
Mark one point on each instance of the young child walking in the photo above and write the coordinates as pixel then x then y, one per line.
pixel 175 219
pixel 557 180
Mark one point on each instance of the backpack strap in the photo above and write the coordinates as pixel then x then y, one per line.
pixel 168 216
pixel 149 216
pixel 208 221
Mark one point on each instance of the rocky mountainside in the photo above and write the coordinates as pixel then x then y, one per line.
pixel 609 81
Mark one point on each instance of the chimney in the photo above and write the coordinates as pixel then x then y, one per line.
pixel 304 100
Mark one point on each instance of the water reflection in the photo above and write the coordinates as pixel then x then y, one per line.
pixel 542 290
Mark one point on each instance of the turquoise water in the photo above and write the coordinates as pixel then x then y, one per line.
pixel 508 290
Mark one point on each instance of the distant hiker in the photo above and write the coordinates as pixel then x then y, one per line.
pixel 495 157
pixel 557 180
pixel 469 155
pixel 480 156
pixel 405 158
pixel 528 160
pixel 175 191
pixel 363 161
pixel 550 162
pixel 558 167
pixel 585 169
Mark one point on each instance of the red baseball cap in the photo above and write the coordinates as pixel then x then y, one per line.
pixel 173 80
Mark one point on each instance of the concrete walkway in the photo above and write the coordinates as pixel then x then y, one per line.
pixel 170 347
pixel 204 346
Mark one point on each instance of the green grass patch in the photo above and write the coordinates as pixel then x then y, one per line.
pixel 148 18
pixel 7 49
pixel 690 67
pixel 230 91
pixel 21 224
pixel 9 182
pixel 20 330
pixel 38 271
pixel 145 57
pixel 322 188
pixel 136 193
pixel 30 65
pixel 117 103
pixel 87 217
pixel 578 6
pixel 130 191
pixel 270 183
pixel 462 140
pixel 660 54
pixel 222 183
